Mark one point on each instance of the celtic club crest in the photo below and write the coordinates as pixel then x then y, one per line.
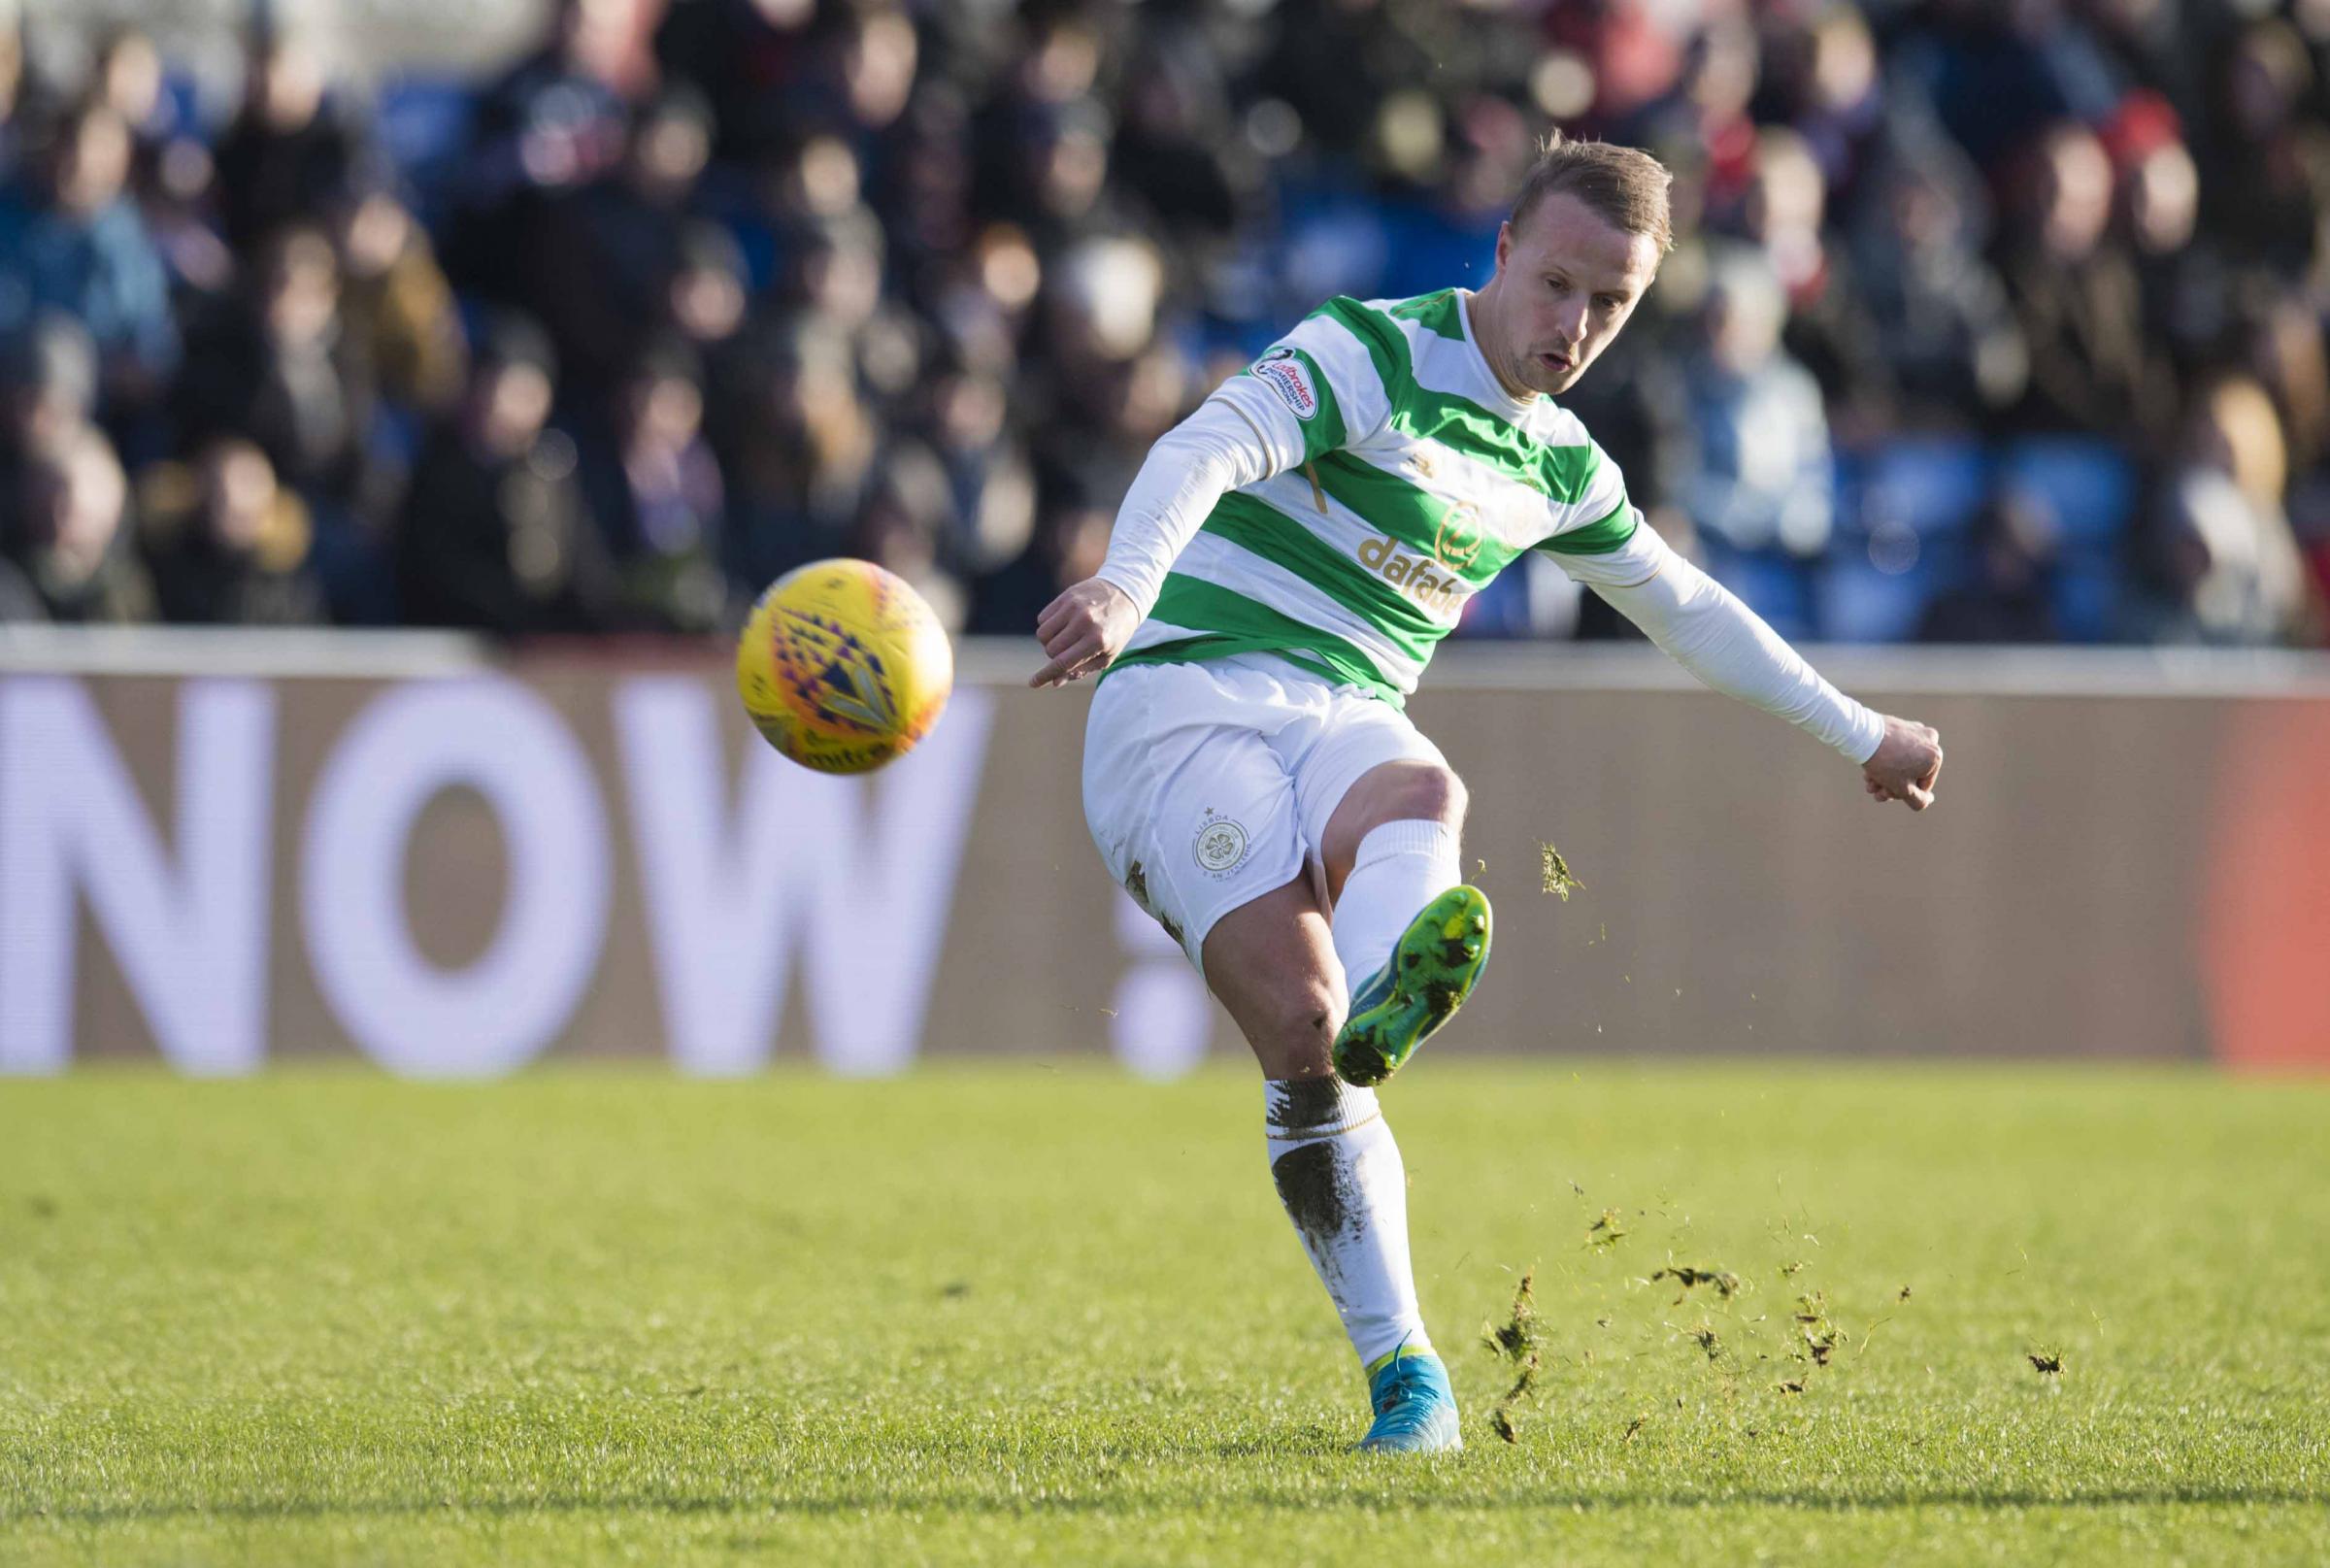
pixel 1457 543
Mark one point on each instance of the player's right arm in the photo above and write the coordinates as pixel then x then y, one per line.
pixel 1314 391
pixel 1216 450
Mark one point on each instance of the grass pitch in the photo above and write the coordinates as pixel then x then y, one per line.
pixel 1049 1313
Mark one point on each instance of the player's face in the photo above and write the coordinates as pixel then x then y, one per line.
pixel 1566 282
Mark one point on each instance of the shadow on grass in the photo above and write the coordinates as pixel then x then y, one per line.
pixel 1308 1501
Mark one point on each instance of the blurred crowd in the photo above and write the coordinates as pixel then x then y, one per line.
pixel 1995 321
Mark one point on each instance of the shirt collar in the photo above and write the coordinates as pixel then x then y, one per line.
pixel 1492 391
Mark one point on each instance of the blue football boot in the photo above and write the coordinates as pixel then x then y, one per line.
pixel 1415 1411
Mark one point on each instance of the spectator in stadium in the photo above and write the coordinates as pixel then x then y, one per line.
pixel 799 450
pixel 290 157
pixel 2185 281
pixel 177 194
pixel 705 298
pixel 496 535
pixel 1829 87
pixel 72 240
pixel 1953 358
pixel 1762 477
pixel 48 395
pixel 869 68
pixel 655 494
pixel 396 305
pixel 127 77
pixel 965 420
pixel 600 259
pixel 1175 152
pixel 2078 301
pixel 554 122
pixel 276 363
pixel 228 546
pixel 2270 194
pixel 12 84
pixel 747 58
pixel 904 524
pixel 1828 329
pixel 2223 566
pixel 67 542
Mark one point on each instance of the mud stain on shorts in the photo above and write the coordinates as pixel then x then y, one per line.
pixel 1135 883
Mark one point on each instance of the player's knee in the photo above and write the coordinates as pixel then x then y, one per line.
pixel 1431 793
pixel 1455 799
pixel 1299 1018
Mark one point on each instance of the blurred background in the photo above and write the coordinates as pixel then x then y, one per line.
pixel 491 355
pixel 1995 321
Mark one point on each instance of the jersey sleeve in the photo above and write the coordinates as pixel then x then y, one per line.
pixel 1703 627
pixel 1316 390
pixel 1592 522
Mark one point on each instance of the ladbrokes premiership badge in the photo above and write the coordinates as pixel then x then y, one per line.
pixel 1290 379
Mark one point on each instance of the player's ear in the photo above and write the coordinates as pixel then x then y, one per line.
pixel 1504 242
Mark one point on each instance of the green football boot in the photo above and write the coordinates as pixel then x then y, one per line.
pixel 1433 968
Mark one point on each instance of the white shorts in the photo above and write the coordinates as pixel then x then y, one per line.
pixel 1208 785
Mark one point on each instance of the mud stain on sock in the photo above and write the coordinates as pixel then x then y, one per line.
pixel 1315 1190
pixel 1299 1107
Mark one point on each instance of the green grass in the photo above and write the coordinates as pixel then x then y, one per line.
pixel 1002 1314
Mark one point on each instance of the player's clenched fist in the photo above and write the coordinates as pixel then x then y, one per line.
pixel 1083 630
pixel 1904 764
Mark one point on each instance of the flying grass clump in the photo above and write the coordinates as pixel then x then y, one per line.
pixel 1726 1283
pixel 1553 873
pixel 1515 1342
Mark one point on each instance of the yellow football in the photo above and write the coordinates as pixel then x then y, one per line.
pixel 842 666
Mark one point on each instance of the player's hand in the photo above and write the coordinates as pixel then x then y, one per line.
pixel 1905 764
pixel 1083 630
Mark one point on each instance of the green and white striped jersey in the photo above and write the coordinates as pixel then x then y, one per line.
pixel 1405 478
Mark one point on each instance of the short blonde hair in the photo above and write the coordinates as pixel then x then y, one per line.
pixel 1624 186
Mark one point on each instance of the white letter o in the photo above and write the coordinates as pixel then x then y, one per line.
pixel 497 1013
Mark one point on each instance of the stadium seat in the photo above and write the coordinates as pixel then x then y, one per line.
pixel 1858 601
pixel 1932 484
pixel 2088 484
pixel 423 125
pixel 1776 585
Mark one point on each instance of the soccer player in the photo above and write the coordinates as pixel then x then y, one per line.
pixel 1279 573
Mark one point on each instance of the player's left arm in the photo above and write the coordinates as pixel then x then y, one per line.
pixel 1705 629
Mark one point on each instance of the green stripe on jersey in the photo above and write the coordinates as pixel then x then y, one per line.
pixel 1414 516
pixel 1261 528
pixel 1233 623
pixel 1563 473
pixel 1595 538
pixel 1436 312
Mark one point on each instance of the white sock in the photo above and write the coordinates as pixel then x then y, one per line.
pixel 1339 1174
pixel 1400 868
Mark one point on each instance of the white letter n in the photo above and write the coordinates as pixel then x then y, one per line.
pixel 190 937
